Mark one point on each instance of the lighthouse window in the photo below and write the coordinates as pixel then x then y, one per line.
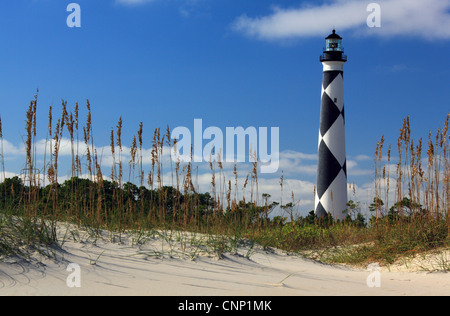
pixel 333 45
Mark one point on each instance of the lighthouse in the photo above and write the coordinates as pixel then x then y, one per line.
pixel 331 189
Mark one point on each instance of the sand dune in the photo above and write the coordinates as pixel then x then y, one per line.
pixel 154 268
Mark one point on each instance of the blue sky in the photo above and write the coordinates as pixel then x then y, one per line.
pixel 230 63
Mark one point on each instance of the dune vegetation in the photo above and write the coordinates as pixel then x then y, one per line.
pixel 34 204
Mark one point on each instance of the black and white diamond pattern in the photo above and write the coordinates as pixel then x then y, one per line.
pixel 331 191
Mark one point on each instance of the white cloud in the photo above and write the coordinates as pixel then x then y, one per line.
pixel 354 169
pixel 362 157
pixel 291 163
pixel 427 19
pixel 10 149
pixel 298 169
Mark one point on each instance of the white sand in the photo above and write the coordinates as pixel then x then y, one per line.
pixel 158 268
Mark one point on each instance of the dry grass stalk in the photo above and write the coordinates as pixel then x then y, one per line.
pixel 420 190
pixel 180 208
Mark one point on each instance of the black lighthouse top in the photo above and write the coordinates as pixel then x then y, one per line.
pixel 333 50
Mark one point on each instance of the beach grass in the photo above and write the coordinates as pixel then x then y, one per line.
pixel 410 209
